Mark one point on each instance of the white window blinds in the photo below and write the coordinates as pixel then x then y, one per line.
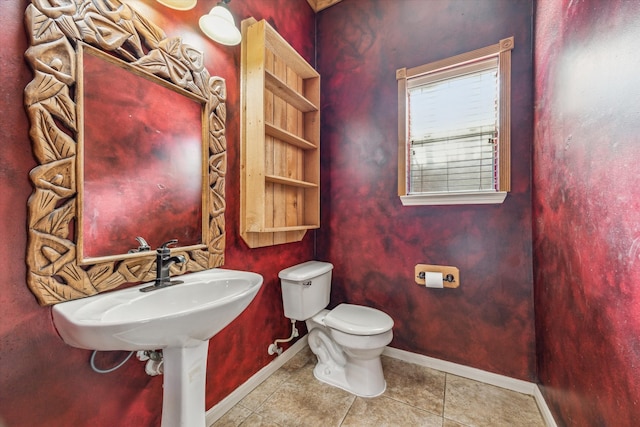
pixel 453 129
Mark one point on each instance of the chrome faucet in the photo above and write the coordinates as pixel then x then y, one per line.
pixel 164 260
pixel 143 246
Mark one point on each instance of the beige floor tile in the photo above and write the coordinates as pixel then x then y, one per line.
pixel 415 385
pixel 451 423
pixel 256 420
pixel 385 412
pixel 303 358
pixel 304 401
pixel 261 393
pixel 233 418
pixel 477 404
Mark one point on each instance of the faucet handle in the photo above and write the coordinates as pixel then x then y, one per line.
pixel 142 247
pixel 165 245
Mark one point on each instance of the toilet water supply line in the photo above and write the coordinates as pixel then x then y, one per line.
pixel 273 348
pixel 154 366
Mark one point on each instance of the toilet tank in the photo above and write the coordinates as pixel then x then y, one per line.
pixel 306 289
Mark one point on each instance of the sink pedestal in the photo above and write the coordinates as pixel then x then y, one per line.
pixel 183 397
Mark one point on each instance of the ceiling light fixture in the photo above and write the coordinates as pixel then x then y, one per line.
pixel 178 4
pixel 219 25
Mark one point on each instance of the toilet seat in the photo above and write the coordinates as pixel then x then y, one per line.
pixel 358 320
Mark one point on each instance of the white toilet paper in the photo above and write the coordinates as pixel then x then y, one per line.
pixel 433 280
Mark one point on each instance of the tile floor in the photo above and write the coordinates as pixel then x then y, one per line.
pixel 415 396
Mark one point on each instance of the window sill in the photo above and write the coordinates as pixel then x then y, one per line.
pixel 473 198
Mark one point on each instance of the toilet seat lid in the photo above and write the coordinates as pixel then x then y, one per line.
pixel 358 320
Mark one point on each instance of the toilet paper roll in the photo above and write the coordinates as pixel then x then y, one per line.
pixel 433 280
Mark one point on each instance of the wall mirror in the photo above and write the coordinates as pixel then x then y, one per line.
pixel 128 128
pixel 152 160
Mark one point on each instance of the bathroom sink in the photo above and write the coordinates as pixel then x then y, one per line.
pixel 181 315
pixel 179 320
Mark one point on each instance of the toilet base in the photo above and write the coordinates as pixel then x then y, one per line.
pixel 357 370
pixel 363 378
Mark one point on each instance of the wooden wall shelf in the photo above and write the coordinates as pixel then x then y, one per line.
pixel 279 141
pixel 288 137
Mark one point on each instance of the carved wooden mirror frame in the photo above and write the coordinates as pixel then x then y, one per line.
pixel 54 28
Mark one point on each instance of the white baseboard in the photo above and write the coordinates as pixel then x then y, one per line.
pixel 497 380
pixel 520 386
pixel 544 409
pixel 221 408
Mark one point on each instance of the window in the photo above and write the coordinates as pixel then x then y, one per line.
pixel 454 129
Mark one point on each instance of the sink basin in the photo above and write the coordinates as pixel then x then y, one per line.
pixel 178 319
pixel 181 315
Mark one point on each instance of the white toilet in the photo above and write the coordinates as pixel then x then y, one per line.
pixel 347 340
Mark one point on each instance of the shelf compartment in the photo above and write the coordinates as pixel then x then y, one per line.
pixel 290 182
pixel 292 228
pixel 288 137
pixel 289 95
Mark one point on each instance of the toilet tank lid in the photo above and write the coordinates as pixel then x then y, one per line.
pixel 305 271
pixel 358 320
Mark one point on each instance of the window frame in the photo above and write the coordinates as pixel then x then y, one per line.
pixel 502 51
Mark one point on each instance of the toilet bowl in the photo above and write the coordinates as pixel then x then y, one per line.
pixel 347 340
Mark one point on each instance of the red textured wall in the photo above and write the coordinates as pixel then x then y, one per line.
pixel 586 214
pixel 43 382
pixel 375 242
pixel 587 210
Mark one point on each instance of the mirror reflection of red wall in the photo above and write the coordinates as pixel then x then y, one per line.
pixel 143 162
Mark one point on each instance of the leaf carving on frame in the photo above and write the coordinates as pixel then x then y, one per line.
pixel 57 222
pixel 40 19
pixel 47 254
pixel 194 58
pixel 43 203
pixel 201 259
pixel 106 34
pixel 68 26
pixel 154 63
pixel 109 282
pixel 217 167
pixel 50 291
pixel 46 91
pixel 49 142
pixel 55 9
pixel 57 176
pixel 42 87
pixel 123 16
pixel 56 58
pixel 137 269
pixel 77 279
pixel 100 273
pixel 151 33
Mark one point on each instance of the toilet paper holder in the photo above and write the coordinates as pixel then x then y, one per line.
pixel 447 278
pixel 450 274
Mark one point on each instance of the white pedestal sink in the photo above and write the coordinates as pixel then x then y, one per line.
pixel 179 319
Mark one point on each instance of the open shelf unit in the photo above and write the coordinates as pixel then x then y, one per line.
pixel 279 139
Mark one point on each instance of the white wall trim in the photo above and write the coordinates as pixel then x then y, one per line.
pixel 497 380
pixel 453 198
pixel 544 409
pixel 221 408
